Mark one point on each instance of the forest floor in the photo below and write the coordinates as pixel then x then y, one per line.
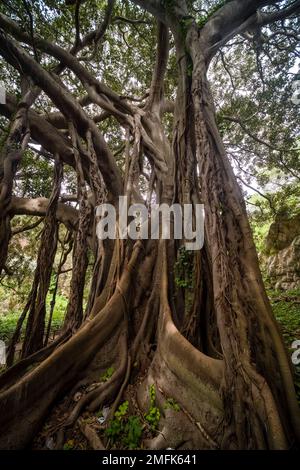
pixel 128 428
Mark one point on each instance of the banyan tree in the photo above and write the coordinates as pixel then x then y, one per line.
pixel 120 95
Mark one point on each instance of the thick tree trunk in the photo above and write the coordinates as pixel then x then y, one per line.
pixel 256 364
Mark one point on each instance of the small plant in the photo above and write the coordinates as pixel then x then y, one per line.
pixel 153 415
pixel 107 374
pixel 114 430
pixel 184 268
pixel 125 429
pixel 171 404
pixel 117 424
pixel 69 445
pixel 152 394
pixel 133 432
pixel 122 410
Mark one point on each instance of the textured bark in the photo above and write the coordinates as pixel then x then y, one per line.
pixel 10 156
pixel 34 334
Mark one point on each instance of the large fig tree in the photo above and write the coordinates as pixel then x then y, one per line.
pixel 119 92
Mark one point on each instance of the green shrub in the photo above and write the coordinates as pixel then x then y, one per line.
pixel 107 374
pixel 124 429
pixel 69 445
pixel 132 432
pixel 171 404
pixel 184 268
pixel 153 414
pixel 8 320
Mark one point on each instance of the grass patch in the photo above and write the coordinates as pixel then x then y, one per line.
pixel 286 308
pixel 8 320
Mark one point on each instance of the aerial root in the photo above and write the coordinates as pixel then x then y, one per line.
pixel 95 398
pixel 18 370
pixel 91 435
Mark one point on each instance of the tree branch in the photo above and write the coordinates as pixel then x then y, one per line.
pixel 18 230
pixel 267 18
pixel 235 17
pixel 70 108
pixel 155 100
pixel 38 207
pixel 129 20
pixel 67 59
pixel 42 131
pixel 154 7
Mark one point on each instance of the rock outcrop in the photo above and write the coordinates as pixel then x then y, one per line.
pixel 283 254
